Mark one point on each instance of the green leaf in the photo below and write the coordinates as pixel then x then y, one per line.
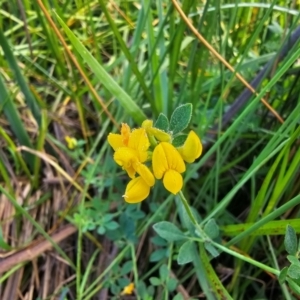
pixel 282 275
pixel 126 268
pixel 211 249
pixel 162 122
pixel 29 98
pixel 101 230
pixel 294 271
pixel 164 272
pixel 104 77
pixel 178 297
pixel 185 254
pixel 168 231
pixel 293 260
pixel 15 123
pixel 212 229
pixel 290 240
pixel 172 284
pixel 181 118
pixel 179 140
pixel 158 255
pixel 155 281
pixel 111 225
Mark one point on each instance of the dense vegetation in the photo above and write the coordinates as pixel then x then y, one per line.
pixel 71 72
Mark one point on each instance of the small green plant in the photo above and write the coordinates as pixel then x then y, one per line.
pixel 291 273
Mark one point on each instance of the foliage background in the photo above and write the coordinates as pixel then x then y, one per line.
pixel 79 69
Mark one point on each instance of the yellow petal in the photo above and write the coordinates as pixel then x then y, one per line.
pixel 125 157
pixel 173 181
pixel 125 133
pixel 192 148
pixel 128 290
pixel 71 142
pixel 115 140
pixel 136 191
pixel 147 124
pixel 139 141
pixel 145 173
pixel 166 157
pixel 159 162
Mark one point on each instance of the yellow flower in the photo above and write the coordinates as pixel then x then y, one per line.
pixel 137 190
pixel 192 147
pixel 71 142
pixel 128 290
pixel 168 164
pixel 131 152
pixel 160 135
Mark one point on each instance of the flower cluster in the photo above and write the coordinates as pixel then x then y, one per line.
pixel 147 153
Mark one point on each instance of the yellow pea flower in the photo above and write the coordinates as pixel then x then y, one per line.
pixel 131 152
pixel 137 190
pixel 128 290
pixel 192 148
pixel 71 142
pixel 168 164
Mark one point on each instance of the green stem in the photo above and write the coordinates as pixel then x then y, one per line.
pixel 201 232
pixel 247 259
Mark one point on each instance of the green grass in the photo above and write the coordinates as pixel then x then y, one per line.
pixel 80 69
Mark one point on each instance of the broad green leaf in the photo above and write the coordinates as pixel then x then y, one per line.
pixel 155 281
pixel 179 140
pixel 126 268
pixel 162 122
pixel 172 284
pixel 178 297
pixel 293 260
pixel 181 118
pixel 168 231
pixel 212 229
pixel 164 272
pixel 294 271
pixel 290 240
pixel 185 254
pixel 104 77
pixel 158 255
pixel 211 249
pixel 282 275
pixel 111 225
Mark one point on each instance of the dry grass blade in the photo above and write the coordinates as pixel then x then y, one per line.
pixel 74 60
pixel 47 158
pixel 34 250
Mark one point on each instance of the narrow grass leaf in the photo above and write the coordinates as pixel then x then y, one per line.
pixel 12 115
pixel 29 98
pixel 105 78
